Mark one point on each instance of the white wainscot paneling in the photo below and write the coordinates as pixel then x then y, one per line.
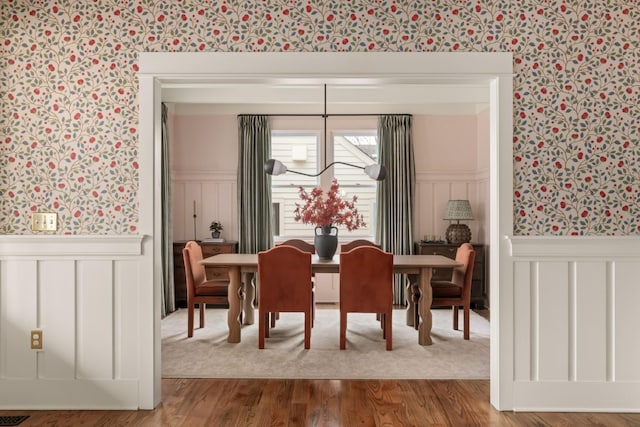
pixel 215 197
pixel 575 323
pixel 435 189
pixel 81 291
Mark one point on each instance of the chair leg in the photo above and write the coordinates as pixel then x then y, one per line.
pixel 343 330
pixel 263 319
pixel 190 310
pixel 313 308
pixel 466 321
pixel 416 317
pixel 383 324
pixel 455 317
pixel 268 323
pixel 202 308
pixel 273 319
pixel 387 329
pixel 307 329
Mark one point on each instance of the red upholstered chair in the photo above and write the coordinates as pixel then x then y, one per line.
pixel 345 247
pixel 305 247
pixel 366 286
pixel 300 244
pixel 457 291
pixel 284 275
pixel 200 291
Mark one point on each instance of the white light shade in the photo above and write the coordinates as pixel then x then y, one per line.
pixel 274 167
pixel 458 210
pixel 376 171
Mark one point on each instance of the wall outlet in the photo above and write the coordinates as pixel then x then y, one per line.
pixel 44 221
pixel 36 339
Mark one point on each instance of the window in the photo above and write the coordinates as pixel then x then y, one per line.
pixel 299 150
pixel 359 148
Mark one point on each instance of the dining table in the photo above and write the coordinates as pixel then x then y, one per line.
pixel 241 294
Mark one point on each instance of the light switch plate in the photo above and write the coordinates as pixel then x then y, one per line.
pixel 44 221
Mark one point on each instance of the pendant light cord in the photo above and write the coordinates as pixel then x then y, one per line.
pixel 324 116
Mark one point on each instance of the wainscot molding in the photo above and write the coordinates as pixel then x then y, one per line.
pixel 595 396
pixel 570 247
pixel 574 303
pixel 70 246
pixel 76 394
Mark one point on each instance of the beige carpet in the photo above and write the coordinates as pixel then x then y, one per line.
pixel 208 355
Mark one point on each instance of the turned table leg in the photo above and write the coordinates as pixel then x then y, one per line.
pixel 235 301
pixel 249 296
pixel 411 297
pixel 424 306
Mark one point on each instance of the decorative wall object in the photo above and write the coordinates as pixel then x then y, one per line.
pixel 69 115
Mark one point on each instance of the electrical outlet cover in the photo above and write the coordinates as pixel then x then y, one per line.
pixel 36 339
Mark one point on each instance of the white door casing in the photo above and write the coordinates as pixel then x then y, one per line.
pixel 491 69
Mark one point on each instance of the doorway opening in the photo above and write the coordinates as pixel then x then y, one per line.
pixel 160 72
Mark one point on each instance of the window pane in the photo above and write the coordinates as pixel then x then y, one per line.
pixel 359 148
pixel 299 152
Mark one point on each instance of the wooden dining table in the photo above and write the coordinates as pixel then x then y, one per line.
pixel 242 267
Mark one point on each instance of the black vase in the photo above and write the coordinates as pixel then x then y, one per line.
pixel 326 241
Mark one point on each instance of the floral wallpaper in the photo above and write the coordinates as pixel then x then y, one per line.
pixel 69 110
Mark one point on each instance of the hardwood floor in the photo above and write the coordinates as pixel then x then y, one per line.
pixel 210 402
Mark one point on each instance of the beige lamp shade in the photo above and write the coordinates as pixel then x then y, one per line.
pixel 458 210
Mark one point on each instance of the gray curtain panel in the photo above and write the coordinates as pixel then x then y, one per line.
pixel 168 294
pixel 396 194
pixel 254 185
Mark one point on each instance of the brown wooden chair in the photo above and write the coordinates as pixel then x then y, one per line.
pixel 366 286
pixel 284 273
pixel 457 291
pixel 200 291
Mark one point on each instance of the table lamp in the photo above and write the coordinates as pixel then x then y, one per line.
pixel 458 210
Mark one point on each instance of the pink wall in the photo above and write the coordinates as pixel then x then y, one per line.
pixel 204 143
pixel 445 143
pixel 204 156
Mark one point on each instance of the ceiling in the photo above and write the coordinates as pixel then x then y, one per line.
pixel 259 98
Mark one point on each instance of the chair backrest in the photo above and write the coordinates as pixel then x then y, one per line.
pixel 462 275
pixel 194 272
pixel 283 272
pixel 366 280
pixel 345 247
pixel 300 244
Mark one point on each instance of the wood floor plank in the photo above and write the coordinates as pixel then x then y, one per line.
pixel 242 403
pixel 324 401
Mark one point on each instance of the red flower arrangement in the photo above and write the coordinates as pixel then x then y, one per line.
pixel 332 210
